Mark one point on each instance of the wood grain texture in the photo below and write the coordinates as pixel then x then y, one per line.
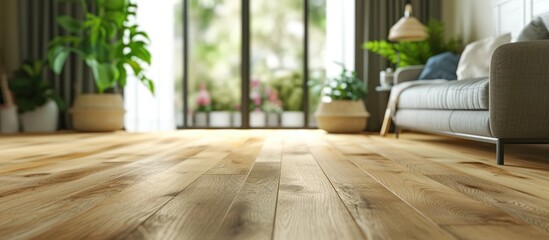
pixel 118 215
pixel 379 213
pixel 268 184
pixel 253 211
pixel 194 213
pixel 241 159
pixel 308 206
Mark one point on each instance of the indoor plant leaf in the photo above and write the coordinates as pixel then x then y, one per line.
pixel 69 24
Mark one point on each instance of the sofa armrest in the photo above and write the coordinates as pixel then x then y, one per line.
pixel 408 73
pixel 519 90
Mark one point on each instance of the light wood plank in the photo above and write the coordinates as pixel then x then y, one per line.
pixel 241 160
pixel 119 215
pixel 473 162
pixel 529 209
pixel 195 212
pixel 308 206
pixel 252 214
pixel 466 232
pixel 433 199
pixel 272 149
pixel 342 186
pixel 379 213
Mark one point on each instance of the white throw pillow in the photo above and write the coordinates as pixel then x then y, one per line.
pixel 475 59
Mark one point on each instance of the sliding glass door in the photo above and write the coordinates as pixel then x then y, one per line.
pixel 276 64
pixel 247 63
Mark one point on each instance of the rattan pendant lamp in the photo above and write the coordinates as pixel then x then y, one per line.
pixel 408 28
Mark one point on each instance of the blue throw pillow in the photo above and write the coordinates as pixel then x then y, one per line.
pixel 535 30
pixel 441 66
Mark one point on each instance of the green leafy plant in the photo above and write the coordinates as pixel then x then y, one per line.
pixel 30 90
pixel 416 53
pixel 224 96
pixel 290 90
pixel 106 40
pixel 347 86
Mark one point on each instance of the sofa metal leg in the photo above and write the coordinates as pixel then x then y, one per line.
pixel 397 130
pixel 500 151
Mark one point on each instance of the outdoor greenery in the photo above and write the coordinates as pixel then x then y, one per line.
pixel 107 39
pixel 290 89
pixel 345 87
pixel 416 53
pixel 276 53
pixel 30 89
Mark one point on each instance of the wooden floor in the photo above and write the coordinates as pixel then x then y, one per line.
pixel 268 184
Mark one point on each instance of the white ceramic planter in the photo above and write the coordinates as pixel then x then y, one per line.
pixel 292 119
pixel 200 119
pixel 342 116
pixel 236 119
pixel 257 119
pixel 190 119
pixel 8 120
pixel 273 120
pixel 98 112
pixel 42 119
pixel 220 119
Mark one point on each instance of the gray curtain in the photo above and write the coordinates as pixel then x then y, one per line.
pixel 37 27
pixel 374 19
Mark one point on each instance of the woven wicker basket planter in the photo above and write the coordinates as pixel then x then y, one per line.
pixel 98 113
pixel 342 116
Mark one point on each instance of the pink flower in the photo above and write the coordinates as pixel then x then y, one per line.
pixel 273 96
pixel 255 83
pixel 203 98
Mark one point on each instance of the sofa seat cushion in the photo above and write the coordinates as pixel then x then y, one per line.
pixel 473 122
pixel 471 94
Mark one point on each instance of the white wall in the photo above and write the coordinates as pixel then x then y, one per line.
pixel 476 19
pixel 468 19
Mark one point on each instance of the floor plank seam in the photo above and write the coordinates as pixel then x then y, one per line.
pixel 235 196
pixel 388 189
pixel 163 205
pixel 364 235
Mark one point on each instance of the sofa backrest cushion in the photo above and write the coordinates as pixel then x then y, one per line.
pixel 475 60
pixel 441 66
pixel 536 29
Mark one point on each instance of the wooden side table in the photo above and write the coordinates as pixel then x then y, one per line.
pixel 387 118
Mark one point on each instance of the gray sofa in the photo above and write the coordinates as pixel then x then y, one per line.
pixel 511 106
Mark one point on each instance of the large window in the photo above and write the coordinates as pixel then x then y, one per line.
pixel 275 51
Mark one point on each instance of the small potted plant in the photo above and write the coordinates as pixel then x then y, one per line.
pixel 236 116
pixel 108 41
pixel 272 107
pixel 223 99
pixel 289 87
pixel 38 104
pixel 257 117
pixel 342 109
pixel 204 106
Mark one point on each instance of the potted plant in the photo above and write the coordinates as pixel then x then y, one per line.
pixel 407 53
pixel 223 99
pixel 109 43
pixel 236 116
pixel 257 116
pixel 272 107
pixel 289 87
pixel 343 111
pixel 37 103
pixel 203 103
